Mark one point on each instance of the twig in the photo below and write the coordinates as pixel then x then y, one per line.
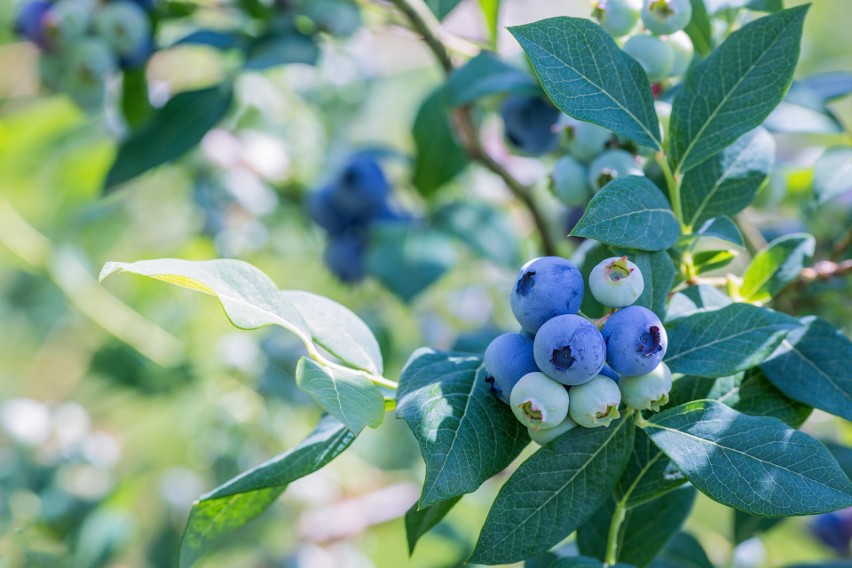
pixel 426 25
pixel 826 270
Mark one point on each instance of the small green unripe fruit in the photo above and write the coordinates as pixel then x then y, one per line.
pixel 585 140
pixel 124 25
pixel 610 165
pixel 67 22
pixel 542 437
pixel 618 17
pixel 595 403
pixel 666 16
pixel 89 62
pixel 568 181
pixel 653 54
pixel 616 282
pixel 647 392
pixel 539 402
pixel 682 49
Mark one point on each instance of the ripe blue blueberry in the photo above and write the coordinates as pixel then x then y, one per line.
pixel 585 140
pixel 568 181
pixel 30 21
pixel 344 256
pixel 834 530
pixel 569 349
pixel 323 212
pixel 653 54
pixel 508 358
pixel 618 17
pixel 666 16
pixel 682 50
pixel 124 25
pixel 539 402
pixel 607 371
pixel 636 341
pixel 542 437
pixel 546 287
pixel 647 392
pixel 361 190
pixel 616 282
pixel 529 124
pixel 610 165
pixel 595 403
pixel 137 58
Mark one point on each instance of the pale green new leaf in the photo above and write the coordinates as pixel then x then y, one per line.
pixel 776 266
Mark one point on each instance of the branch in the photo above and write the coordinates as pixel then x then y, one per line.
pixel 826 270
pixel 424 23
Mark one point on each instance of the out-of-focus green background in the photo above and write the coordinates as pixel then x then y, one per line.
pixel 121 403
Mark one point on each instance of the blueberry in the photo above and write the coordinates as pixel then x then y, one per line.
pixel 323 212
pixel 124 25
pixel 546 287
pixel 568 181
pixel 647 392
pixel 682 50
pixel 361 190
pixel 67 21
pixel 89 62
pixel 139 57
pixel 508 358
pixel 653 54
pixel 610 165
pixel 607 371
pixel 542 437
pixel 618 17
pixel 616 282
pixel 569 349
pixel 344 256
pixel 585 140
pixel 666 16
pixel 635 339
pixel 30 21
pixel 539 402
pixel 834 530
pixel 595 403
pixel 529 124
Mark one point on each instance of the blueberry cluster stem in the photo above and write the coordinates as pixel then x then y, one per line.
pixel 424 23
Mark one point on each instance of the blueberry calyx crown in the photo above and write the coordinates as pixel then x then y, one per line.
pixel 618 269
pixel 528 409
pixel 662 7
pixel 650 342
pixel 526 282
pixel 607 175
pixel 562 358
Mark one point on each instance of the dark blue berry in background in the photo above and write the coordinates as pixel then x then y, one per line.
pixel 530 124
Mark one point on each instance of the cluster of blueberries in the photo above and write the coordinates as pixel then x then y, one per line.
pixel 346 208
pixel 563 370
pixel 84 43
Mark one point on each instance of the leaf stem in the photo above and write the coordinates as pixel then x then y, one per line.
pixel 673 184
pixel 618 517
pixel 423 22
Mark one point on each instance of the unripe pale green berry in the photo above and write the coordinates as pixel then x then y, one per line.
pixel 124 25
pixel 664 115
pixel 595 403
pixel 610 165
pixel 542 437
pixel 51 71
pixel 653 54
pixel 539 402
pixel 618 17
pixel 616 282
pixel 682 50
pixel 585 140
pixel 666 16
pixel 568 181
pixel 647 392
pixel 89 62
pixel 67 21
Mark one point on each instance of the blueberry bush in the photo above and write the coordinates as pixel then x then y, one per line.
pixel 660 344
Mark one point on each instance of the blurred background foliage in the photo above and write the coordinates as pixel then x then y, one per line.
pixel 112 423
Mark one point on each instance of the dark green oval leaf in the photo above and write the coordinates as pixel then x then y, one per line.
pixel 659 273
pixel 487 74
pixel 420 521
pixel 756 396
pixel 438 158
pixel 588 77
pixel 650 473
pixel 754 464
pixel 683 551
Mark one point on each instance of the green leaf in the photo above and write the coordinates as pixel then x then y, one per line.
pixel 699 29
pixel 829 86
pixel 659 273
pixel 689 388
pixel 170 133
pixel 649 473
pixel 683 551
pixel 695 299
pixel 588 77
pixel 765 5
pixel 722 227
pixel 218 39
pixel 406 259
pixel 420 521
pixel 735 88
pixel 491 13
pixel 728 182
pixel 438 158
pixel 645 531
pixel 754 464
pixel 708 260
pixel 251 300
pixel 803 111
pixel 725 341
pixel 350 398
pixel 554 492
pixel 484 75
pixel 465 433
pixel 833 173
pixel 776 266
pixel 748 526
pixel 756 396
pixel 135 106
pixel 584 562
pixel 485 230
pixel 812 366
pixel 442 8
pixel 238 501
pixel 630 212
pixel 275 49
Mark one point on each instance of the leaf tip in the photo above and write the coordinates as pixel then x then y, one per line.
pixel 110 268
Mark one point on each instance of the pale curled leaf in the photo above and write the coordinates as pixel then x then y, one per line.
pixel 350 398
pixel 775 266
